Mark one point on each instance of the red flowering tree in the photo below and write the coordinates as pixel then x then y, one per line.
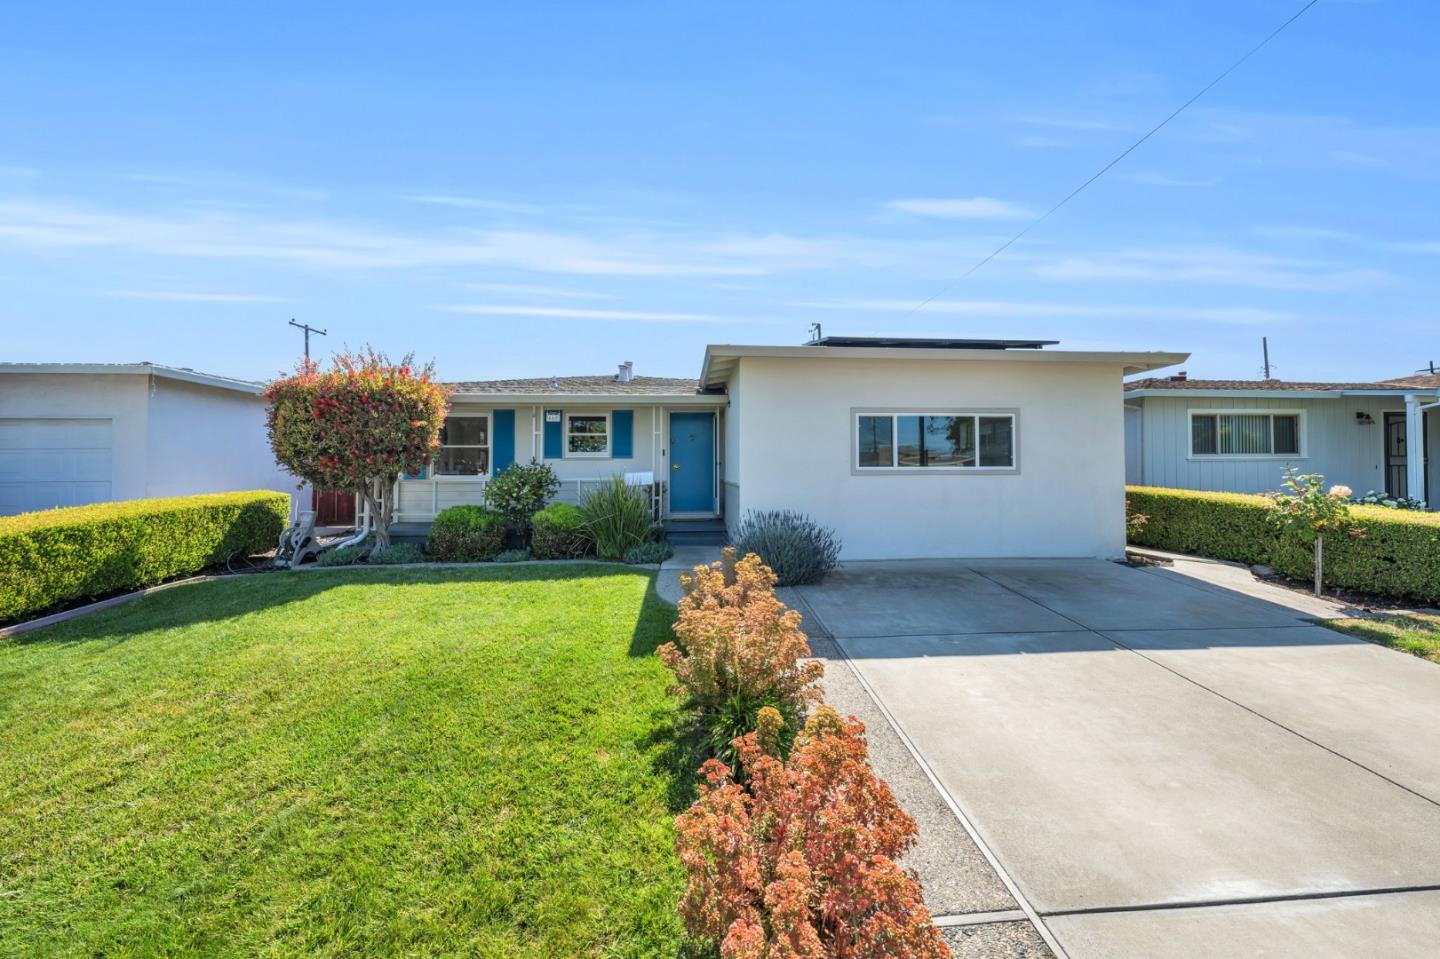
pixel 801 863
pixel 357 426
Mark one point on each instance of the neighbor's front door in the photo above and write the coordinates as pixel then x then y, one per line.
pixel 692 462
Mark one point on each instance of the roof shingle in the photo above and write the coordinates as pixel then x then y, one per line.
pixel 1421 382
pixel 603 385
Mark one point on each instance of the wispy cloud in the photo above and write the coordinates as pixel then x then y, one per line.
pixel 192 296
pixel 36 226
pixel 526 289
pixel 1305 233
pixel 577 313
pixel 1213 265
pixel 1078 123
pixel 966 208
pixel 471 203
pixel 1156 178
pixel 1029 309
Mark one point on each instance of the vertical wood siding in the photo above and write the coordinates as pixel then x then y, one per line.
pixel 1335 444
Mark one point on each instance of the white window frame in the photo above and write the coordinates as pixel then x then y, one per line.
pixel 609 435
pixel 1272 413
pixel 489 447
pixel 895 469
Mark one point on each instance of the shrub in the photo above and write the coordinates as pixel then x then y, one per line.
pixel 797 548
pixel 1382 498
pixel 1397 552
pixel 558 532
pixel 398 554
pixel 512 556
pixel 739 648
pixel 648 553
pixel 519 491
pixel 342 556
pixel 467 534
pixel 802 862
pixel 59 556
pixel 617 517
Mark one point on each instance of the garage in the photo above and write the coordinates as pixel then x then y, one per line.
pixel 46 462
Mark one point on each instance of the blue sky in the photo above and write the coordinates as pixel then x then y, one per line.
pixel 553 188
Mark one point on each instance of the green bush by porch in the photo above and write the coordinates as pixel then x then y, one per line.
pixel 467 534
pixel 1396 554
pixel 558 532
pixel 59 556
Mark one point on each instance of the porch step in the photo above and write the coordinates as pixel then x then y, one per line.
pixel 696 532
pixel 417 533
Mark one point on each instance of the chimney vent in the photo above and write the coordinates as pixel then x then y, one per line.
pixel 1180 377
pixel 627 370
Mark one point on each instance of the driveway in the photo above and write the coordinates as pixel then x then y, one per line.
pixel 1162 767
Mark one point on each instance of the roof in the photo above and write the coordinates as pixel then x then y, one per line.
pixel 721 358
pixel 905 342
pixel 182 373
pixel 1423 383
pixel 605 384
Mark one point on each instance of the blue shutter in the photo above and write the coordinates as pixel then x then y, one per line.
pixel 419 474
pixel 554 434
pixel 622 444
pixel 502 441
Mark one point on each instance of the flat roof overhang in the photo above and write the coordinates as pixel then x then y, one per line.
pixel 1398 393
pixel 721 359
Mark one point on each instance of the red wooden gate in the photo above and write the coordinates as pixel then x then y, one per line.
pixel 334 508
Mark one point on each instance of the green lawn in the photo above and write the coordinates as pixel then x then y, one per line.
pixel 1416 633
pixel 356 763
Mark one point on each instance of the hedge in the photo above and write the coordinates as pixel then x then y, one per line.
pixel 1397 552
pixel 467 534
pixel 59 556
pixel 558 532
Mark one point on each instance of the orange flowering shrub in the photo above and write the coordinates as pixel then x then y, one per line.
pixel 801 863
pixel 739 642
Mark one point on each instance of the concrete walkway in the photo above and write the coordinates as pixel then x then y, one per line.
pixel 1158 765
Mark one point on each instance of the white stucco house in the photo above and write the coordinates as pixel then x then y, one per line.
pixel 76 433
pixel 1240 435
pixel 906 447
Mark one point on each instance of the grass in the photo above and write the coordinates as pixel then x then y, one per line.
pixel 1415 633
pixel 351 763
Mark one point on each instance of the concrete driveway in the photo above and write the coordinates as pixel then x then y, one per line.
pixel 1163 767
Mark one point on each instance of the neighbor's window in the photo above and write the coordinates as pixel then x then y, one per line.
pixel 587 434
pixel 464 447
pixel 1244 434
pixel 935 441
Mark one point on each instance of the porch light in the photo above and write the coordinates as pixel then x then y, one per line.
pixel 1364 419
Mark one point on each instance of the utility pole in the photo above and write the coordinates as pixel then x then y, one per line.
pixel 815 332
pixel 1265 346
pixel 308 330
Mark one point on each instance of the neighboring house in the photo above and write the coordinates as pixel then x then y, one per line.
pixel 908 448
pixel 75 433
pixel 1240 435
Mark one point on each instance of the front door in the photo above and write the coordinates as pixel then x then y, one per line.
pixel 1397 478
pixel 692 462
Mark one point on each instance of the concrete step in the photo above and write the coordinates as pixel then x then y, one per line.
pixel 696 532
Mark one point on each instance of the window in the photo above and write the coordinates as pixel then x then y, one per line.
pixel 587 434
pixel 949 441
pixel 1244 434
pixel 464 447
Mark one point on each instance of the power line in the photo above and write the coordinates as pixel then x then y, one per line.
pixel 1106 168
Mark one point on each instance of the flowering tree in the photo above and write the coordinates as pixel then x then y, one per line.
pixel 1303 507
pixel 801 864
pixel 357 426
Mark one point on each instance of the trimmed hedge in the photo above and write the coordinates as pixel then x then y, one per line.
pixel 59 556
pixel 467 534
pixel 1397 553
pixel 558 532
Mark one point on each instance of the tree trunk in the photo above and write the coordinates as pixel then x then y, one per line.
pixel 1319 564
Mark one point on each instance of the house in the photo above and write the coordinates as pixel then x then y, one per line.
pixel 75 433
pixel 906 447
pixel 1239 435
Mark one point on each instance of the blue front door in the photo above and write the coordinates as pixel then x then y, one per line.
pixel 692 462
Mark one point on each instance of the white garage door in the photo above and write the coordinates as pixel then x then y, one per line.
pixel 53 462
